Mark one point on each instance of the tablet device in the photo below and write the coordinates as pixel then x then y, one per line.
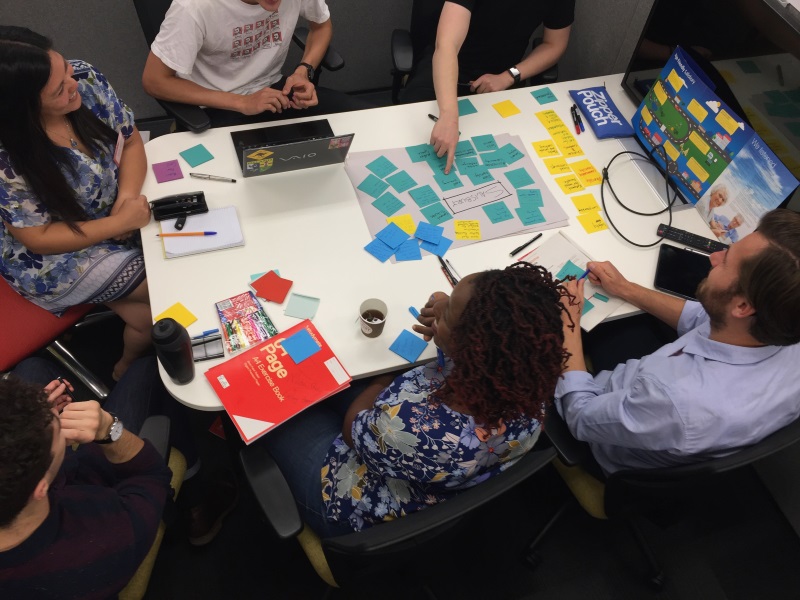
pixel 680 270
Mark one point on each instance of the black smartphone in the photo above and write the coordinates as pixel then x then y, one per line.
pixel 680 270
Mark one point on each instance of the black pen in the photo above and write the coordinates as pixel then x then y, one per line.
pixel 516 251
pixel 452 278
pixel 435 119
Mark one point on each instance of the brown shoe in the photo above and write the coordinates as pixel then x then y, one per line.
pixel 205 519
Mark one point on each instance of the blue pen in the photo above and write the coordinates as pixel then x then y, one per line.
pixel 205 333
pixel 585 273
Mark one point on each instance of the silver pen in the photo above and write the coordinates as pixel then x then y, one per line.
pixel 211 177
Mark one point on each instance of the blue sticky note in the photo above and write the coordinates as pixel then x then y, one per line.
pixel 493 160
pixel 447 182
pixel 381 166
pixel 530 215
pixel 300 346
pixel 372 186
pixel 466 162
pixel 464 148
pixel 436 213
pixel 401 181
pixel 519 178
pixel 478 175
pixel 408 250
pixel 428 232
pixel 587 306
pixel 530 198
pixel 196 155
pixel 509 153
pixel 388 204
pixel 569 268
pixel 420 153
pixel 484 143
pixel 408 346
pixel 466 107
pixel 497 212
pixel 379 250
pixel 424 196
pixel 392 236
pixel 544 95
pixel 439 248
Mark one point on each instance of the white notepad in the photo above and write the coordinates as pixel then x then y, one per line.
pixel 224 221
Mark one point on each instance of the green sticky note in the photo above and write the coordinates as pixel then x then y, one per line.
pixel 388 204
pixel 420 153
pixel 600 297
pixel 372 186
pixel 436 213
pixel 530 198
pixel 381 166
pixel 447 182
pixel 519 178
pixel 464 148
pixel 438 163
pixel 196 155
pixel 478 175
pixel 467 162
pixel 424 195
pixel 748 66
pixel 484 143
pixel 493 160
pixel 544 95
pixel 401 181
pixel 569 268
pixel 509 153
pixel 497 212
pixel 529 215
pixel 587 306
pixel 466 107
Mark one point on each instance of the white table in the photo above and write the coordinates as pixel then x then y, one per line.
pixel 308 225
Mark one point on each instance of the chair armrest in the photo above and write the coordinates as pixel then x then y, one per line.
pixel 155 430
pixel 402 51
pixel 271 491
pixel 570 451
pixel 332 61
pixel 190 117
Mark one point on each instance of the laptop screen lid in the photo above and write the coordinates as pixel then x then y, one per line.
pixel 280 158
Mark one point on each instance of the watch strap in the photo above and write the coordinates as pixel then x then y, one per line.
pixel 108 439
pixel 514 72
pixel 309 68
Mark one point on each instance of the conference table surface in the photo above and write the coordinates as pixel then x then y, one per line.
pixel 308 225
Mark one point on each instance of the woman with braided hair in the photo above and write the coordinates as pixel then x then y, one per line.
pixel 415 439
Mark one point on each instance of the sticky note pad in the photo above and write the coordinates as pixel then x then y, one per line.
pixel 196 155
pixel 529 215
pixel 436 213
pixel 585 203
pixel 439 248
pixel 420 153
pixel 167 171
pixel 404 222
pixel 557 166
pixel 519 178
pixel 484 143
pixel 392 236
pixel 428 232
pixel 545 148
pixel 301 307
pixel 530 198
pixel 401 181
pixel 408 346
pixel 381 166
pixel 372 186
pixel 478 175
pixel 592 222
pixel 424 195
pixel 569 269
pixel 300 346
pixel 466 107
pixel 272 287
pixel 497 212
pixel 388 204
pixel 569 184
pixel 510 153
pixel 178 312
pixel 408 250
pixel 447 182
pixel 467 230
pixel 544 95
pixel 379 250
pixel 506 108
pixel 464 148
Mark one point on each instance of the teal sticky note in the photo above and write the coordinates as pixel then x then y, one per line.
pixel 793 95
pixel 388 204
pixel 600 297
pixel 786 111
pixel 569 268
pixel 381 166
pixel 436 213
pixel 408 346
pixel 587 306
pixel 467 162
pixel 196 155
pixel 497 212
pixel 300 346
pixel 544 95
pixel 420 153
pixel 484 143
pixel 408 250
pixel 464 148
pixel 401 181
pixel 439 248
pixel 424 195
pixel 379 250
pixel 519 178
pixel 428 233
pixel 529 215
pixel 447 182
pixel 466 107
pixel 748 66
pixel 530 198
pixel 478 175
pixel 438 163
pixel 372 186
pixel 777 96
pixel 493 160
pixel 509 153
pixel 392 235
pixel 301 307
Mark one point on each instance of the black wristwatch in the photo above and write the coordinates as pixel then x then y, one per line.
pixel 514 72
pixel 309 68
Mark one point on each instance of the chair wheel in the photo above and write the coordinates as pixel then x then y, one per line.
pixel 533 560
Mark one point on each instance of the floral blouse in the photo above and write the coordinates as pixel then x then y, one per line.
pixel 95 186
pixel 410 454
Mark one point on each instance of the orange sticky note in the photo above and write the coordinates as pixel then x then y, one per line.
pixel 506 108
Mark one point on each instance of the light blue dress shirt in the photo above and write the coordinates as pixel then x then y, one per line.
pixel 692 399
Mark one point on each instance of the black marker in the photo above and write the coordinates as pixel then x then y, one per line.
pixel 66 388
pixel 516 251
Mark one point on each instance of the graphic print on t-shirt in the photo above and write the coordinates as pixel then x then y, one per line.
pixel 264 33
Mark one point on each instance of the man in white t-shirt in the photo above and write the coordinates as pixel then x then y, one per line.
pixel 228 55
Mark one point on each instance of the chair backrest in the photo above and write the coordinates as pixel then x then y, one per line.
pixel 356 556
pixel 424 21
pixel 151 14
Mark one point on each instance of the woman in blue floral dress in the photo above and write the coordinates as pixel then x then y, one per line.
pixel 410 441
pixel 72 164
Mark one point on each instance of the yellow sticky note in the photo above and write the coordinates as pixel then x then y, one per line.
pixel 506 108
pixel 549 118
pixel 404 222
pixel 178 312
pixel 728 122
pixel 545 148
pixel 557 166
pixel 571 150
pixel 585 203
pixel 586 172
pixel 592 222
pixel 570 184
pixel 467 230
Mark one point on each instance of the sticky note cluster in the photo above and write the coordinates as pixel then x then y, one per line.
pixel 396 241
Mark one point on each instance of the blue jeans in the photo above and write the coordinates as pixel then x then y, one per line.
pixel 299 447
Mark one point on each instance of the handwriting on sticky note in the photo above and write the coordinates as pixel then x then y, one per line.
pixel 545 148
pixel 557 166
pixel 586 172
pixel 506 108
pixel 592 222
pixel 467 230
pixel 585 203
pixel 570 184
pixel 167 171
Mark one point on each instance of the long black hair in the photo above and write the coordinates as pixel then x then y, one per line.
pixel 24 71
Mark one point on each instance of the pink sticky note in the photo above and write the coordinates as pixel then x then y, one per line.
pixel 167 171
pixel 272 287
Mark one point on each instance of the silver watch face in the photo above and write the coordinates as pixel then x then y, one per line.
pixel 116 430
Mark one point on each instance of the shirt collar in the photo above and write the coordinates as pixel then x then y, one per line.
pixel 697 342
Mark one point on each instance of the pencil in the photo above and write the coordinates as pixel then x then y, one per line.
pixel 187 234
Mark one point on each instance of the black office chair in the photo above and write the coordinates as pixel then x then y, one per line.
pixel 189 117
pixel 651 494
pixel 348 560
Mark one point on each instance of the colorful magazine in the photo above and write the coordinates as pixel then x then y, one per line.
pixel 243 322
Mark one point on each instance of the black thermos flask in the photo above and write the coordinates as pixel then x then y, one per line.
pixel 174 349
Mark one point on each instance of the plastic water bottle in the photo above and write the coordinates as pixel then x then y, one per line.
pixel 174 349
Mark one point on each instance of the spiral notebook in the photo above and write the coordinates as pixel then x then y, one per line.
pixel 224 221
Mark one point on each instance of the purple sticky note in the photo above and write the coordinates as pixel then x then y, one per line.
pixel 167 171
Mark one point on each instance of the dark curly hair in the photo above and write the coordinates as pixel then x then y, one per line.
pixel 508 345
pixel 26 440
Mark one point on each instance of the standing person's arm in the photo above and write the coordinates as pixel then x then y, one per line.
pixel 452 31
pixel 319 38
